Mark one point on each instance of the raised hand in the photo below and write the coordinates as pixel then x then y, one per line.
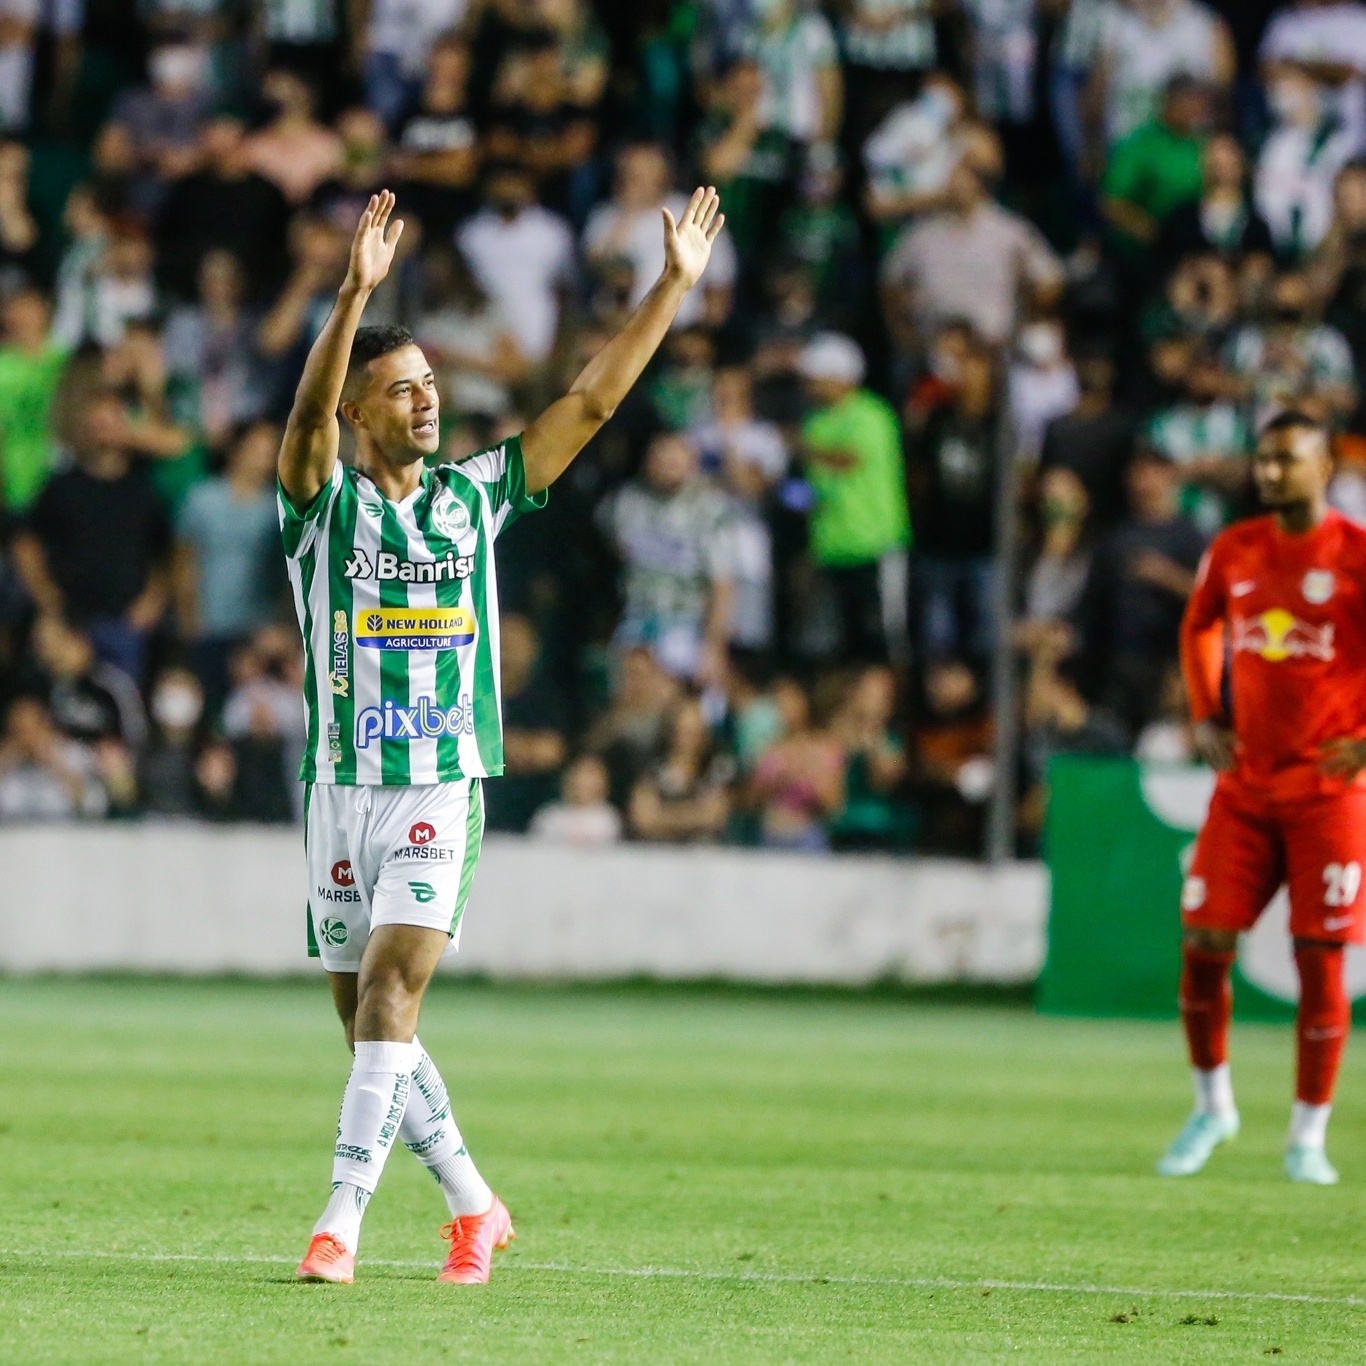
pixel 372 248
pixel 687 242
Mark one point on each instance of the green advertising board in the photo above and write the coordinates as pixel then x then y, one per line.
pixel 1118 840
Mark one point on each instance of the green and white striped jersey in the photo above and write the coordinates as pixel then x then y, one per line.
pixel 398 605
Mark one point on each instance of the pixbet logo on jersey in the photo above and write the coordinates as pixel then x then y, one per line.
pixel 425 720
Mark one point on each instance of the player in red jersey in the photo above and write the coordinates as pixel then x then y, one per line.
pixel 1279 616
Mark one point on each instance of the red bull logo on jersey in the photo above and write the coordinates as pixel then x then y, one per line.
pixel 1277 634
pixel 414 628
pixel 425 720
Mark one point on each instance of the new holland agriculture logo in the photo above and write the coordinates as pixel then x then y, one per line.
pixel 1277 634
pixel 414 628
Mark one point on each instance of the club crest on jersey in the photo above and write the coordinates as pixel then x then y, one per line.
pixel 1318 586
pixel 449 515
pixel 425 720
pixel 1277 635
pixel 391 568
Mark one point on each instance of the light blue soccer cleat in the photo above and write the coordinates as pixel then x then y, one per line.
pixel 1191 1148
pixel 1310 1165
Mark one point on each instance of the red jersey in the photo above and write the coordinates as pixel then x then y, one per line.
pixel 1287 615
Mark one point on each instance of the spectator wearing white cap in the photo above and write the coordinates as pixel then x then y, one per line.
pixel 860 527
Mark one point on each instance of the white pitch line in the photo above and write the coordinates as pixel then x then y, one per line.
pixel 752 1277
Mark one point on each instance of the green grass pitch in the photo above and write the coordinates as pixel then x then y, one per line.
pixel 695 1176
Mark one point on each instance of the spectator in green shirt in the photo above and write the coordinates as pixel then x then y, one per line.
pixel 1156 169
pixel 860 527
pixel 31 367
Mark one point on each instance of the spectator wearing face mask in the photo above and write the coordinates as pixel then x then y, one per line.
pixel 264 729
pixel 166 767
pixel 1041 384
pixel 153 133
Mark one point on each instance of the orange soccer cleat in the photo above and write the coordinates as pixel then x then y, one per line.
pixel 327 1260
pixel 473 1238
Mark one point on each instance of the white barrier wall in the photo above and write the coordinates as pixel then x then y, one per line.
pixel 205 899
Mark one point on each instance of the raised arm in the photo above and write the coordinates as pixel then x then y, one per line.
pixel 309 449
pixel 567 426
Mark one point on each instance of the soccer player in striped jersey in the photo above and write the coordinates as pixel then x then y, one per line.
pixel 392 565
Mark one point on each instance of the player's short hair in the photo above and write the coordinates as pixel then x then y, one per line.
pixel 370 344
pixel 1292 419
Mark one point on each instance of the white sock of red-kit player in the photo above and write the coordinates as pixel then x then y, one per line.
pixel 372 1110
pixel 430 1132
pixel 1309 1124
pixel 1214 1091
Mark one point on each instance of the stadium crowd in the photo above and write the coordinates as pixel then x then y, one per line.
pixel 1088 243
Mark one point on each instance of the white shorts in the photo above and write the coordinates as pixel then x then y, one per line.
pixel 387 856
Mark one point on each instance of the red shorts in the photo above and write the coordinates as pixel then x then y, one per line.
pixel 1248 847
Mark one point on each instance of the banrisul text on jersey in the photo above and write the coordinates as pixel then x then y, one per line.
pixel 398 605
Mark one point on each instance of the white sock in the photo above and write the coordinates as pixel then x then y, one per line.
pixel 1214 1091
pixel 343 1214
pixel 431 1135
pixel 372 1110
pixel 1309 1125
